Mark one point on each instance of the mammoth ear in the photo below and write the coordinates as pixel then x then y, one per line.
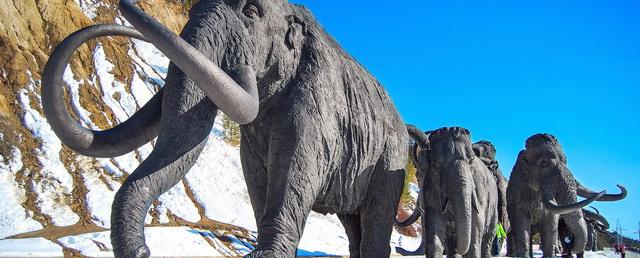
pixel 296 33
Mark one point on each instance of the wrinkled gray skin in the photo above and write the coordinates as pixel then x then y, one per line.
pixel 319 132
pixel 459 193
pixel 486 152
pixel 540 191
pixel 595 223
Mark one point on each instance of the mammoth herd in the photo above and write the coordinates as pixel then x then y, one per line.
pixel 463 195
pixel 318 132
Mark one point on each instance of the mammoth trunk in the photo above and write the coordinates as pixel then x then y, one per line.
pixel 459 190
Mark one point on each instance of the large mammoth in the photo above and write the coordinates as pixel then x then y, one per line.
pixel 459 194
pixel 540 191
pixel 318 131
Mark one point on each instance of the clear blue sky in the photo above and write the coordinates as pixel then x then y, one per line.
pixel 509 69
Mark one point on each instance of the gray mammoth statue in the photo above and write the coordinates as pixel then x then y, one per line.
pixel 318 131
pixel 484 150
pixel 596 223
pixel 459 194
pixel 540 191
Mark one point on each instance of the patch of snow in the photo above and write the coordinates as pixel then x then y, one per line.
pixel 127 162
pixel 122 106
pixel 13 217
pixel 405 242
pixel 218 184
pixel 324 234
pixel 90 7
pixel 31 247
pixel 109 167
pixel 140 91
pixel 162 241
pixel 56 183
pixel 178 241
pixel 74 91
pixel 145 150
pixel 239 245
pixel 91 244
pixel 177 201
pixel 99 197
pixel 152 57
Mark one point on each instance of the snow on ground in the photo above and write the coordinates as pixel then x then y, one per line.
pixel 99 197
pixel 177 201
pixel 324 234
pixel 162 241
pixel 56 183
pixel 13 217
pixel 218 184
pixel 32 247
pixel 114 93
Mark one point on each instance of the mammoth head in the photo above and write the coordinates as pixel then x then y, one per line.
pixel 545 165
pixel 277 31
pixel 443 158
pixel 239 53
pixel 486 152
pixel 230 48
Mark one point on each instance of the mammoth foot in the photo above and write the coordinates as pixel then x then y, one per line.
pixel 137 252
pixel 264 254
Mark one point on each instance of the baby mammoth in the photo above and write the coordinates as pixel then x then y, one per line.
pixel 542 190
pixel 459 194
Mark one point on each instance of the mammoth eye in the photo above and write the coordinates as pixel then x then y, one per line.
pixel 251 11
pixel 544 163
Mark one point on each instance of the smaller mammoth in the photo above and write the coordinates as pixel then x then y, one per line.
pixel 541 191
pixel 458 194
pixel 596 224
pixel 486 152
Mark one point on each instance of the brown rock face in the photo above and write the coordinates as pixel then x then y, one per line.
pixel 29 29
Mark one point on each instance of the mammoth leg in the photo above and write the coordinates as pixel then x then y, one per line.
pixel 520 235
pixel 186 122
pixel 293 184
pixel 379 212
pixel 351 224
pixel 549 235
pixel 579 229
pixel 591 236
pixel 487 243
pixel 434 226
pixel 475 248
pixel 255 175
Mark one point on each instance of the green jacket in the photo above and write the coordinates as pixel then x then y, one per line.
pixel 500 232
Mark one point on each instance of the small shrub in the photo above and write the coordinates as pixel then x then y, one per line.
pixel 231 131
pixel 410 169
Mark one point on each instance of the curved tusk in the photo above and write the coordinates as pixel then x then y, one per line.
pixel 598 218
pixel 585 192
pixel 411 219
pixel 139 129
pixel 418 136
pixel 553 208
pixel 238 102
